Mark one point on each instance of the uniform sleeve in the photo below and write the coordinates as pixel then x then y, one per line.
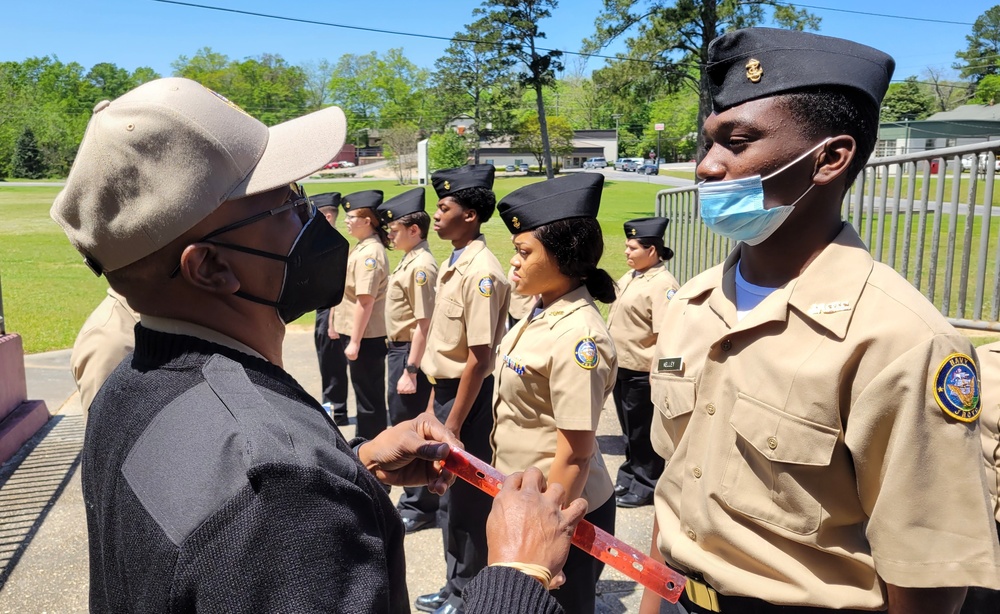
pixel 106 338
pixel 989 421
pixel 504 590
pixel 583 364
pixel 662 298
pixel 422 280
pixel 485 298
pixel 304 541
pixel 369 273
pixel 920 471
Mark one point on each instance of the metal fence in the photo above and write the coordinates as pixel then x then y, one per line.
pixel 941 234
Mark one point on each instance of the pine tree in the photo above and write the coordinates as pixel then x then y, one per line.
pixel 27 161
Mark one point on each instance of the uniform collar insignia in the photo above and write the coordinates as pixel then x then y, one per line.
pixel 834 307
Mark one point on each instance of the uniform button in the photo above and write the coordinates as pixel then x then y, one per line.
pixel 697 472
pixel 666 402
pixel 692 535
pixel 710 409
pixel 727 345
pixel 772 442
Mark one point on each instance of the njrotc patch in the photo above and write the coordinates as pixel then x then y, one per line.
pixel 586 353
pixel 670 293
pixel 486 286
pixel 421 277
pixel 956 388
pixel 370 264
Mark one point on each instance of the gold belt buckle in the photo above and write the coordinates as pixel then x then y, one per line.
pixel 702 595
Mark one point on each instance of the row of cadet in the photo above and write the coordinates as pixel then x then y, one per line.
pixel 823 426
pixel 477 346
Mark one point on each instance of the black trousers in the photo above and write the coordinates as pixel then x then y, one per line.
pixel 634 405
pixel 332 365
pixel 416 502
pixel 579 593
pixel 981 600
pixel 368 379
pixel 466 507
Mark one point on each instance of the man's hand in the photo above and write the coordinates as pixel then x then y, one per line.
pixel 529 525
pixel 332 333
pixel 351 351
pixel 407 383
pixel 411 454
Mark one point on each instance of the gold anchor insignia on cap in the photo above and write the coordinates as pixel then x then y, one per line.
pixel 388 214
pixel 633 232
pixel 347 205
pixel 516 223
pixel 447 185
pixel 754 71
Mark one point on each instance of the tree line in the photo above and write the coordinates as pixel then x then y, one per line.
pixel 496 71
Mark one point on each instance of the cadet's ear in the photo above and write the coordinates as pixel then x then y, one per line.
pixel 834 158
pixel 470 215
pixel 206 267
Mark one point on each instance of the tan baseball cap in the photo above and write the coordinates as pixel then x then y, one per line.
pixel 161 158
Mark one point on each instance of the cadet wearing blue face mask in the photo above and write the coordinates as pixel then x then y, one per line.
pixel 817 414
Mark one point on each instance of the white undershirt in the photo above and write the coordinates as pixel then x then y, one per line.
pixel 748 295
pixel 455 254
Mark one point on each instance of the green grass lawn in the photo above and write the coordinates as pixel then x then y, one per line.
pixel 48 292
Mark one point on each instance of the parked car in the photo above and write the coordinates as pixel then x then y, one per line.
pixel 346 164
pixel 334 164
pixel 649 168
pixel 620 164
pixel 510 168
pixel 523 167
pixel 595 163
pixel 630 166
pixel 981 165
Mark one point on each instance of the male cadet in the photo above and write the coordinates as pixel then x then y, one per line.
pixel 410 302
pixel 104 340
pixel 329 350
pixel 817 414
pixel 466 327
pixel 213 482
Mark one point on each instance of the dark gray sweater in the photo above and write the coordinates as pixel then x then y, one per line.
pixel 214 482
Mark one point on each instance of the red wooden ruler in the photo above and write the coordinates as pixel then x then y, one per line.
pixel 596 542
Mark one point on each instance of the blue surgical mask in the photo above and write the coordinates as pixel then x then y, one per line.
pixel 735 208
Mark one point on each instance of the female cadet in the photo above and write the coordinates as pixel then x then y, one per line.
pixel 557 366
pixel 634 321
pixel 360 318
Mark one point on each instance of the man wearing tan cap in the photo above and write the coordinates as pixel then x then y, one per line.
pixel 213 481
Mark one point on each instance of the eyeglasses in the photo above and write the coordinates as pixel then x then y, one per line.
pixel 297 201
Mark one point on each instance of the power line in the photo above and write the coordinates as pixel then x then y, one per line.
pixel 453 39
pixel 868 14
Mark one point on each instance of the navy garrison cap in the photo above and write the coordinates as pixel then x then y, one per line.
pixel 537 204
pixel 760 62
pixel 451 180
pixel 328 199
pixel 646 227
pixel 406 203
pixel 366 199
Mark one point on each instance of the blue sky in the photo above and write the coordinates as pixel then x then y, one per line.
pixel 132 33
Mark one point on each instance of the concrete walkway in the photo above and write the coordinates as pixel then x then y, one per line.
pixel 43 539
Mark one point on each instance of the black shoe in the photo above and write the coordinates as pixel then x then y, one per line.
pixel 430 603
pixel 341 419
pixel 412 525
pixel 631 499
pixel 450 608
pixel 620 489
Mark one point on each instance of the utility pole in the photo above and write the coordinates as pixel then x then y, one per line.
pixel 616 117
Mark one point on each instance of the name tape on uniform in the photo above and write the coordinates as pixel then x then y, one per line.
pixel 666 365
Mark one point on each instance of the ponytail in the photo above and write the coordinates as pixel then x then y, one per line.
pixel 601 286
pixel 577 245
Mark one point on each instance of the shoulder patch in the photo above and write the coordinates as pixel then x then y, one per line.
pixel 586 353
pixel 956 388
pixel 420 277
pixel 670 293
pixel 370 264
pixel 486 286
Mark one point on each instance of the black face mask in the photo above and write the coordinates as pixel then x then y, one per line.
pixel 315 271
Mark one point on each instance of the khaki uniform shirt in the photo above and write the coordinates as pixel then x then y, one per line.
pixel 411 292
pixel 553 371
pixel 808 457
pixel 989 421
pixel 367 273
pixel 520 304
pixel 106 338
pixel 634 317
pixel 471 309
